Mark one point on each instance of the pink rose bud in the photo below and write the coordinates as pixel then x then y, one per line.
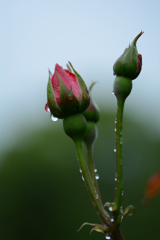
pixel 67 93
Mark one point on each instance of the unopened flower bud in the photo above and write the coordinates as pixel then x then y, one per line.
pixel 129 64
pixel 92 113
pixel 67 93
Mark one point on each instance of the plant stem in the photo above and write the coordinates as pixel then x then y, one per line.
pixel 91 167
pixel 116 235
pixel 119 164
pixel 88 181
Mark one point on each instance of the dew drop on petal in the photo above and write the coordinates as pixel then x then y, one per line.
pixel 95 170
pixel 47 108
pixel 54 119
pixel 115 150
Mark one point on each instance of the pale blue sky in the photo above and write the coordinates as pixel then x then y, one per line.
pixel 92 34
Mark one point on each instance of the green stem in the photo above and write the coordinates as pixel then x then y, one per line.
pixel 119 164
pixel 116 235
pixel 88 181
pixel 91 167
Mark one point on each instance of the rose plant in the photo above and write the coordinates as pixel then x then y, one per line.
pixel 68 99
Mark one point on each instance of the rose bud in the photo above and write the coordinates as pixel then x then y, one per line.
pixel 67 93
pixel 129 64
pixel 92 113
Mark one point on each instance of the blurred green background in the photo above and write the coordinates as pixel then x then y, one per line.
pixel 42 195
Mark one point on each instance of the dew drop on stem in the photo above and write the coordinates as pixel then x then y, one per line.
pixel 107 236
pixel 121 140
pixel 116 176
pixel 97 196
pixel 96 176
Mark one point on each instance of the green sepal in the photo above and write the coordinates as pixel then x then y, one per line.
pixel 54 108
pixel 127 64
pixel 68 102
pixel 130 207
pixel 85 94
pixel 96 227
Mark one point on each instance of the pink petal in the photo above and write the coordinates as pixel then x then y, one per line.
pixel 69 80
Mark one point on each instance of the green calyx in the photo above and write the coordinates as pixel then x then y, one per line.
pixel 127 64
pixel 75 126
pixel 122 87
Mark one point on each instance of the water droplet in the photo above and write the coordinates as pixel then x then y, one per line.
pixel 112 220
pixel 121 140
pixel 115 129
pixel 54 119
pixel 70 97
pixel 47 108
pixel 115 150
pixel 116 177
pixel 97 176
pixel 110 209
pixel 121 209
pixel 112 92
pixel 82 178
pixel 95 170
pixel 97 196
pixel 107 236
pixel 122 193
pixel 80 170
